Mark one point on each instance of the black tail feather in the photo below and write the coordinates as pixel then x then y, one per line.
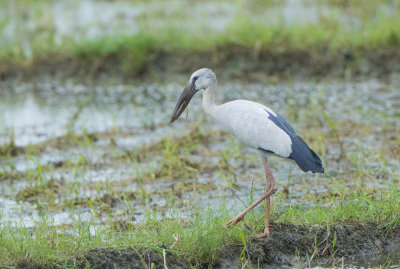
pixel 305 157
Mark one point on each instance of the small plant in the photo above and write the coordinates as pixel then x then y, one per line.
pixel 310 258
pixel 332 126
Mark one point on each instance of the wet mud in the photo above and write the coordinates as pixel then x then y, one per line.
pixel 78 20
pixel 104 152
pixel 318 63
pixel 86 138
pixel 297 246
pixel 288 246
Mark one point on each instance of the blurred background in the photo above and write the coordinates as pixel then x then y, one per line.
pixel 87 89
pixel 129 38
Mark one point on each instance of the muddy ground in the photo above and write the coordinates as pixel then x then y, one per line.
pixel 359 245
pixel 288 246
pixel 232 61
pixel 86 138
pixel 87 149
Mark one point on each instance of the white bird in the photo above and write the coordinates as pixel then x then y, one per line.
pixel 258 127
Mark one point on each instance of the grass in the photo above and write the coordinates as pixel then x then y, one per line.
pixel 246 34
pixel 174 154
pixel 195 237
pixel 194 164
pixel 341 207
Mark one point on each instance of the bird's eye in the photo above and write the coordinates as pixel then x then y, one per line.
pixel 194 79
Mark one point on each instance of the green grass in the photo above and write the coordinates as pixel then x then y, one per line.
pixel 175 155
pixel 196 237
pixel 199 237
pixel 245 34
pixel 343 206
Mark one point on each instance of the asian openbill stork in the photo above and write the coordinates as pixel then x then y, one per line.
pixel 258 127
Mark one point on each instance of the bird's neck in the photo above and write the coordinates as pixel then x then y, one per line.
pixel 208 101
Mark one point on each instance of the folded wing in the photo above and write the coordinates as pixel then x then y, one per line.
pixel 259 127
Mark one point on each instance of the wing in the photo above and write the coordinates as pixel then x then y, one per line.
pixel 259 127
pixel 301 153
pixel 252 123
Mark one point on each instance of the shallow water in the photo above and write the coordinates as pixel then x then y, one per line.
pixel 73 140
pixel 125 117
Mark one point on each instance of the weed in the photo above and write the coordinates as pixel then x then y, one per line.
pixel 354 206
pixel 195 237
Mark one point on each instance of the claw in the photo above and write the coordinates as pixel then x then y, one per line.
pixel 235 220
pixel 262 235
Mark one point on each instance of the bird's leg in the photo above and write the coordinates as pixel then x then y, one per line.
pixel 271 184
pixel 270 189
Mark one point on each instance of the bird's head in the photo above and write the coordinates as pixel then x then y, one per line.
pixel 202 79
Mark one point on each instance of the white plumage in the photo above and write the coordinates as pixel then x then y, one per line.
pixel 250 123
pixel 257 126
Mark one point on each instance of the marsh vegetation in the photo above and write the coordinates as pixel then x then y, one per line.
pixel 92 174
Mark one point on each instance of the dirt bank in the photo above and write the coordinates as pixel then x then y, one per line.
pixel 234 61
pixel 289 245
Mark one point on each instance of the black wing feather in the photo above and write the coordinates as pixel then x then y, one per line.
pixel 305 157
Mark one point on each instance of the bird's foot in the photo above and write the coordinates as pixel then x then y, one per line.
pixel 236 219
pixel 265 233
pixel 262 235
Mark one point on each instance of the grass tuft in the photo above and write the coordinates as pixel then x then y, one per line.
pixel 359 206
pixel 195 237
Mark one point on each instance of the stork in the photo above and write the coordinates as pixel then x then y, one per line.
pixel 258 127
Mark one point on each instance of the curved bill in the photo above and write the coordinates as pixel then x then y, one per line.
pixel 183 102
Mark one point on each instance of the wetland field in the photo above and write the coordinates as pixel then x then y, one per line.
pixel 92 175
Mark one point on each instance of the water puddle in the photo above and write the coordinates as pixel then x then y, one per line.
pixel 84 146
pixel 99 151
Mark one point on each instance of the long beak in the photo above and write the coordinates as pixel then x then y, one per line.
pixel 183 102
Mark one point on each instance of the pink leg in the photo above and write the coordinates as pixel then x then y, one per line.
pixel 270 188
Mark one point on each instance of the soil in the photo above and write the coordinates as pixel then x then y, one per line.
pixel 292 245
pixel 234 61
pixel 288 246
